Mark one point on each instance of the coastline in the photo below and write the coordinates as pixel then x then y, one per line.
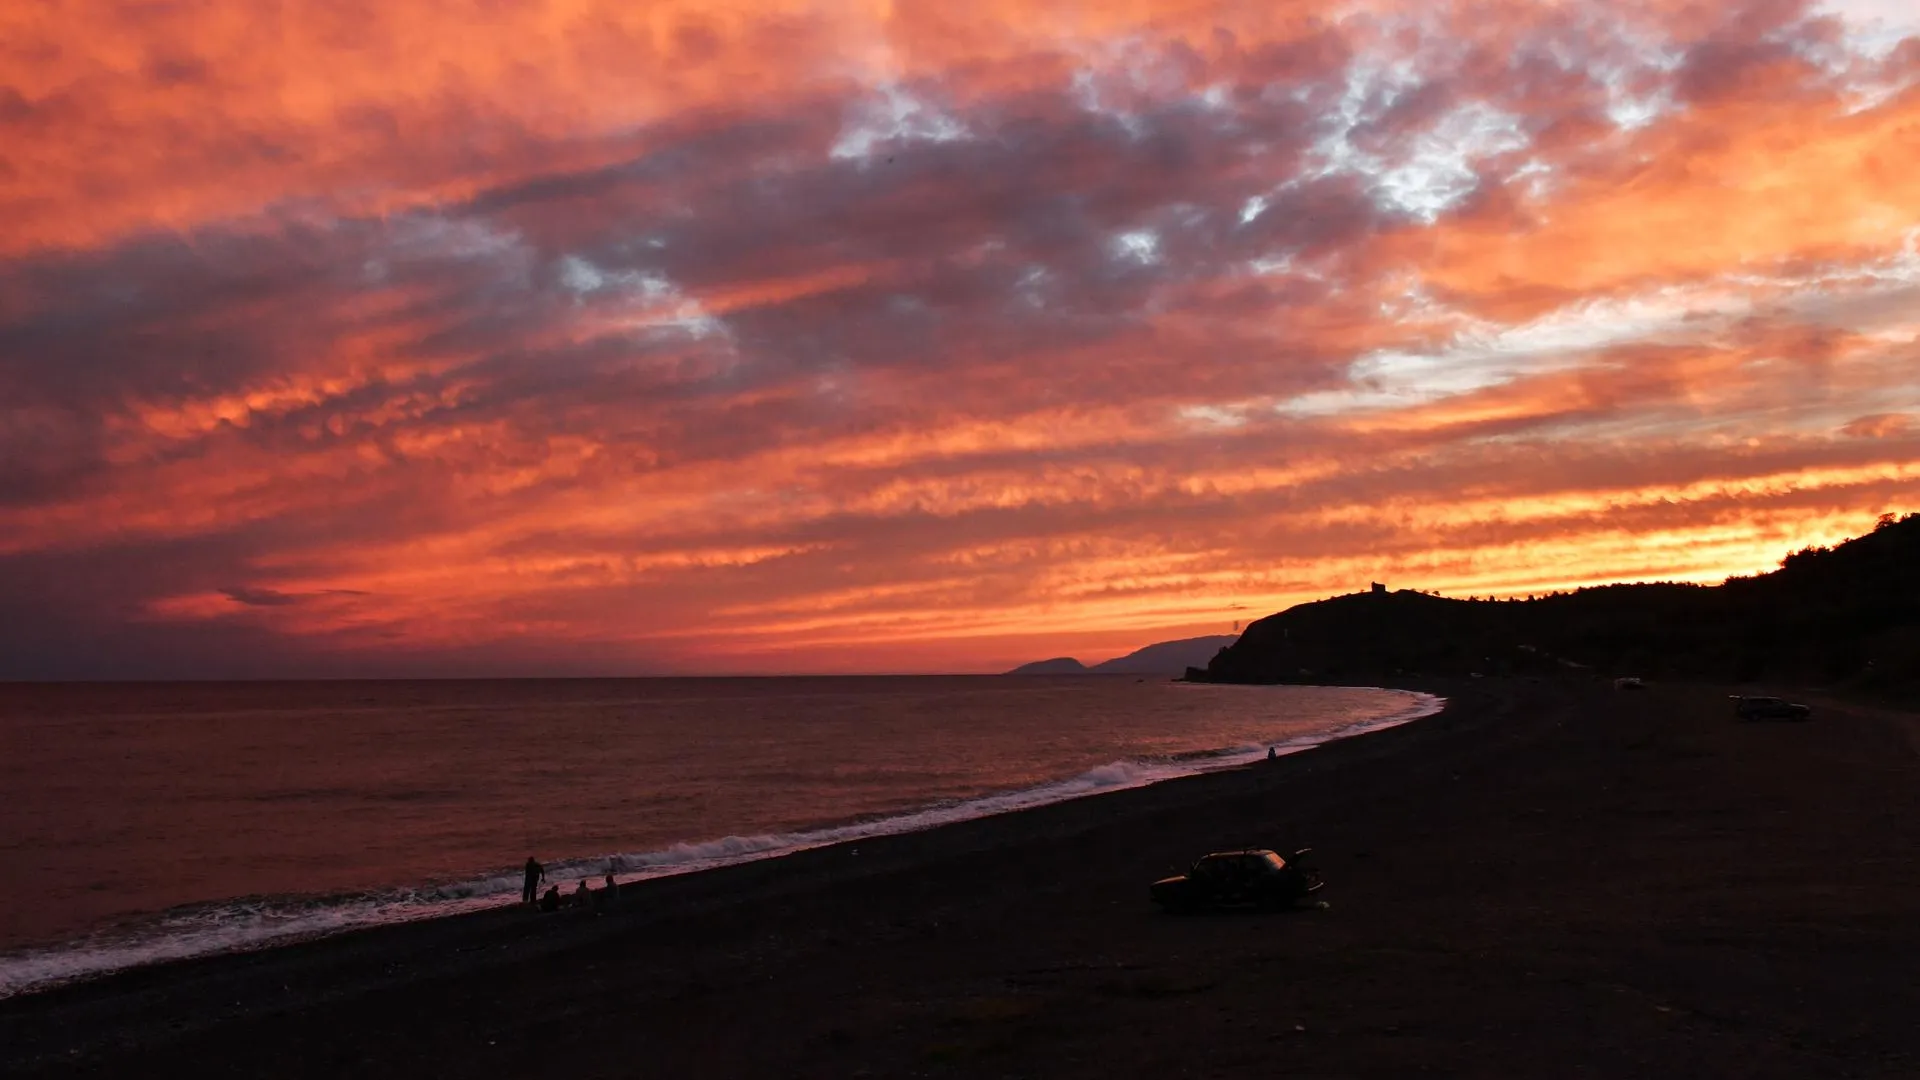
pixel 255 923
pixel 1578 863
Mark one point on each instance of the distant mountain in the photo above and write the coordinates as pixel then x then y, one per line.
pixel 1059 665
pixel 1162 658
pixel 1166 657
pixel 1848 616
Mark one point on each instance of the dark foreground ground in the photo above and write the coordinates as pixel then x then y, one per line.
pixel 1546 880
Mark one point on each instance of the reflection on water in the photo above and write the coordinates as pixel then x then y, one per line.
pixel 136 814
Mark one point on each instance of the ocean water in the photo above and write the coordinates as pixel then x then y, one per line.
pixel 144 822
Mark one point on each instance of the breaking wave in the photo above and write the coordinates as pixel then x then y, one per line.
pixel 256 922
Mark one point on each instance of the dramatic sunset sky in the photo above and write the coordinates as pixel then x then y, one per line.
pixel 592 336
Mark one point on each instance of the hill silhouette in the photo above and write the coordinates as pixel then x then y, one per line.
pixel 1842 616
pixel 1160 658
pixel 1165 657
pixel 1059 665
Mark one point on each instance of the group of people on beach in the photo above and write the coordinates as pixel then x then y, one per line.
pixel 582 896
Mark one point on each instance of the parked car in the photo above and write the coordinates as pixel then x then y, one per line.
pixel 1769 708
pixel 1255 877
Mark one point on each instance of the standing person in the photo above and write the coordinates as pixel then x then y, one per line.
pixel 530 888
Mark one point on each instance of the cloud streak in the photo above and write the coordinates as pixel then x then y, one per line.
pixel 780 337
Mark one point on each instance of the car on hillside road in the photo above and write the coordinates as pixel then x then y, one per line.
pixel 1769 708
pixel 1251 877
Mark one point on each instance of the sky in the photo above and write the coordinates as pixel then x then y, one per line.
pixel 464 337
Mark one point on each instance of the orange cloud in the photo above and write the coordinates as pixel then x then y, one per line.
pixel 436 336
pixel 1878 426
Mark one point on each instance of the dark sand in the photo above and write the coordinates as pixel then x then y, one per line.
pixel 1547 880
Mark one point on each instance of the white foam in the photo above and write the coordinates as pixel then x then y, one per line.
pixel 257 922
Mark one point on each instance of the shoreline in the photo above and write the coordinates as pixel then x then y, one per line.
pixel 311 918
pixel 1539 874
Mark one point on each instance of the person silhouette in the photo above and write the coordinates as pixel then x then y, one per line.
pixel 580 897
pixel 551 901
pixel 530 887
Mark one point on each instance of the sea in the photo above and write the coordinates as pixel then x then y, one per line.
pixel 147 822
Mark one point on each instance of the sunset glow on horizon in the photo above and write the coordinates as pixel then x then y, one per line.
pixel 573 337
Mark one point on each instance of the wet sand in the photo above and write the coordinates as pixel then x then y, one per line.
pixel 1547 879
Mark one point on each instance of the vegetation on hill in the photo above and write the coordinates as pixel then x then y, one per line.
pixel 1847 616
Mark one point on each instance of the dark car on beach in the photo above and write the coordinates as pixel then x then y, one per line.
pixel 1255 877
pixel 1769 708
